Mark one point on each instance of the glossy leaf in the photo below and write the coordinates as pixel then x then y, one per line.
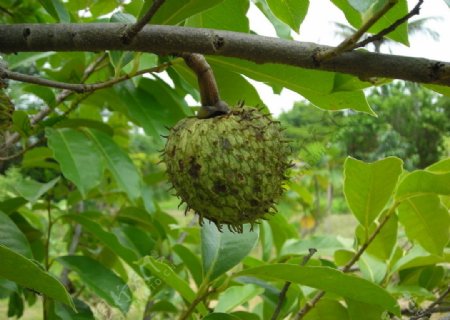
pixel 29 274
pixel 12 238
pixel 316 86
pixel 32 190
pixel 235 296
pixel 223 250
pixel 80 160
pixel 117 162
pixel 101 280
pixel 56 9
pixel 218 17
pixel 329 280
pixel 426 221
pixel 175 11
pixel 368 186
pixel 291 12
pixel 421 182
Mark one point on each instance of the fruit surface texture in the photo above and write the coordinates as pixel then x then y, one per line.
pixel 229 169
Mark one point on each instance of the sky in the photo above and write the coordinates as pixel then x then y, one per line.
pixel 318 27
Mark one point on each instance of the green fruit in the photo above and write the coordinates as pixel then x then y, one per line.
pixel 228 169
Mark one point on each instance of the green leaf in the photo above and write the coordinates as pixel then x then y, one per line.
pixel 118 163
pixel 32 190
pixel 106 238
pixel 383 244
pixel 80 160
pixel 282 29
pixel 436 88
pixel 442 166
pixel 29 274
pixel 426 221
pixel 223 250
pixel 221 316
pixel 219 16
pixel 191 261
pixel 326 245
pixel 291 12
pixel 12 238
pixel 361 5
pixel 420 182
pixel 372 268
pixel 56 9
pixel 101 280
pixel 359 310
pixel 88 123
pixel 327 309
pixel 368 186
pixel 316 86
pixel 418 257
pixel 21 123
pixel 165 273
pixel 236 296
pixel 175 11
pixel 8 206
pixel 329 280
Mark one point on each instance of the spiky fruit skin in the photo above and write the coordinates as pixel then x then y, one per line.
pixel 228 169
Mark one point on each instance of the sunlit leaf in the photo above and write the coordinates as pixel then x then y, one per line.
pixel 291 12
pixel 329 280
pixel 426 221
pixel 236 296
pixel 421 182
pixel 368 186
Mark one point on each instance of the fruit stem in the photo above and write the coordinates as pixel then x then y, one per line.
pixel 211 104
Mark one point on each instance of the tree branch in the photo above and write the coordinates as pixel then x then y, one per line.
pixel 260 49
pixel 77 87
pixel 384 32
pixel 133 30
pixel 432 307
pixel 348 44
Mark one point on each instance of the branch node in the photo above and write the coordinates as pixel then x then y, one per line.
pixel 218 42
pixel 26 32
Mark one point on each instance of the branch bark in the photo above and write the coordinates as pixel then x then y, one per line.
pixel 171 39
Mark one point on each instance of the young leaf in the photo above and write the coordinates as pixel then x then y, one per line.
pixel 29 274
pixel 236 296
pixel 223 250
pixel 118 163
pixel 32 190
pixel 329 280
pixel 422 182
pixel 368 186
pixel 101 280
pixel 291 12
pixel 12 238
pixel 80 160
pixel 426 221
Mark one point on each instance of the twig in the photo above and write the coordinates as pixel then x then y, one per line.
pixel 432 307
pixel 349 43
pixel 209 92
pixel 134 29
pixel 13 138
pixel 77 87
pixel 380 35
pixel 283 292
pixel 185 315
pixel 348 267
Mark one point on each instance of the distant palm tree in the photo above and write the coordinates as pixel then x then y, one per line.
pixel 414 27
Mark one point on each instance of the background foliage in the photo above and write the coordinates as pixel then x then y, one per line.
pixel 87 226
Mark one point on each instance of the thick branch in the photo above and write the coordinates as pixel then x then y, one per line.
pixel 171 39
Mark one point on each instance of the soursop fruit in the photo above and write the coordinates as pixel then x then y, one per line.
pixel 229 169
